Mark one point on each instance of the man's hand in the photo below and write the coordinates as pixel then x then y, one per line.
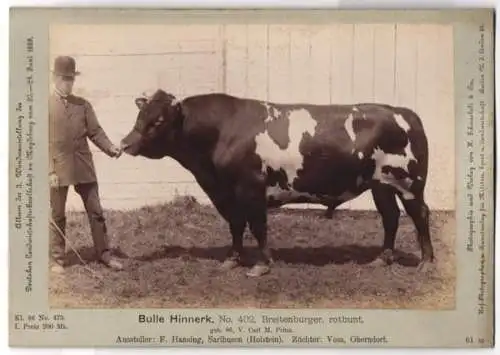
pixel 53 180
pixel 116 152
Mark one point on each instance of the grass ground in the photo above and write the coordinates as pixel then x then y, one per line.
pixel 172 255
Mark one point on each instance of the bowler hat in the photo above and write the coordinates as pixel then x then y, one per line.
pixel 65 66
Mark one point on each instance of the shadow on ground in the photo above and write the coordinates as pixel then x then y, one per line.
pixel 317 256
pixel 88 254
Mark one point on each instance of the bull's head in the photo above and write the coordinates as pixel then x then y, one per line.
pixel 157 116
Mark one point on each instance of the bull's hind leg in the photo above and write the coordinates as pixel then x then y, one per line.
pixel 384 197
pixel 418 210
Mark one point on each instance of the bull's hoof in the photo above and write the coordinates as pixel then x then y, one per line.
pixel 258 270
pixel 384 259
pixel 378 262
pixel 425 266
pixel 229 264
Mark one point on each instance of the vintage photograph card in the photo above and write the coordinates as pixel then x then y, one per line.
pixel 242 177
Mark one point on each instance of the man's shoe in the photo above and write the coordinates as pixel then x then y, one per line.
pixel 111 262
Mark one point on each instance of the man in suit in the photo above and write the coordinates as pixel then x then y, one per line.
pixel 71 121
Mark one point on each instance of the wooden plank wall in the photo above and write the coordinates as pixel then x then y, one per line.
pixel 400 64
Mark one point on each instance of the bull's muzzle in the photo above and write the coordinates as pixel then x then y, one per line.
pixel 124 145
pixel 131 143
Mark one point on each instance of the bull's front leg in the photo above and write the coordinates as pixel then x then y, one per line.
pixel 225 202
pixel 258 226
pixel 237 226
pixel 251 195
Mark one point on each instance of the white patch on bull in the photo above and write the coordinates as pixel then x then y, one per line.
pixel 355 109
pixel 272 112
pixel 287 196
pixel 359 181
pixel 382 159
pixel 409 152
pixel 269 116
pixel 361 155
pixel 274 191
pixel 402 122
pixel 348 125
pixel 289 159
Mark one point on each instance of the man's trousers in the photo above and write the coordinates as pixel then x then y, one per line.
pixel 89 193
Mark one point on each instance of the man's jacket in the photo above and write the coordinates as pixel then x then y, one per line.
pixel 71 121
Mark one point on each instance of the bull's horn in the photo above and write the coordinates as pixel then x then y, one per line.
pixel 147 95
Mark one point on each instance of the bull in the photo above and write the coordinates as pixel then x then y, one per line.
pixel 250 155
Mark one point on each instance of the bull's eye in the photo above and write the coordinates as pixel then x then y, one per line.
pixel 153 126
pixel 159 122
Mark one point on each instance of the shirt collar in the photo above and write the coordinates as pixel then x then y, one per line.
pixel 61 95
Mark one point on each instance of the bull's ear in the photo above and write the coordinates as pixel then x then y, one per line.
pixel 140 102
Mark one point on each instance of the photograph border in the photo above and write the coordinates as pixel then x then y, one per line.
pixel 469 325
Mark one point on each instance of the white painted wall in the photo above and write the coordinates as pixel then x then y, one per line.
pixel 404 64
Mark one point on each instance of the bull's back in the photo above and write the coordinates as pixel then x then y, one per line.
pixel 315 149
pixel 352 146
